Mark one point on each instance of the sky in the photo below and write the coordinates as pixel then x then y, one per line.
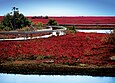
pixel 59 7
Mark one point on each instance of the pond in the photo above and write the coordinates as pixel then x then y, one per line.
pixel 18 78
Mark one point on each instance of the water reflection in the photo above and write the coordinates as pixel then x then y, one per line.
pixel 11 78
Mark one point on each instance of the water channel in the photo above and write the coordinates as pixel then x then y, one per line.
pixel 96 31
pixel 18 78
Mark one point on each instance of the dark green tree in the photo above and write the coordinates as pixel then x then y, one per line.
pixel 15 20
pixel 7 22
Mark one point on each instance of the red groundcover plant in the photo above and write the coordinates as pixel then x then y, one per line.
pixel 77 20
pixel 71 49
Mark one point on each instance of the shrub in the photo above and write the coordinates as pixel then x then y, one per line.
pixel 46 17
pixel 111 39
pixel 39 24
pixel 72 29
pixel 52 22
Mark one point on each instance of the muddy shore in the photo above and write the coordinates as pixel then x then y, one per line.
pixel 56 69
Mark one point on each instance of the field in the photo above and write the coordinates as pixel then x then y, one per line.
pixel 87 22
pixel 74 53
pixel 86 50
pixel 78 20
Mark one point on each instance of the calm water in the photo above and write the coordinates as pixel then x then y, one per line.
pixel 97 31
pixel 11 78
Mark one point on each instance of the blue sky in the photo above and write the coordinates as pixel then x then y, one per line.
pixel 60 7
